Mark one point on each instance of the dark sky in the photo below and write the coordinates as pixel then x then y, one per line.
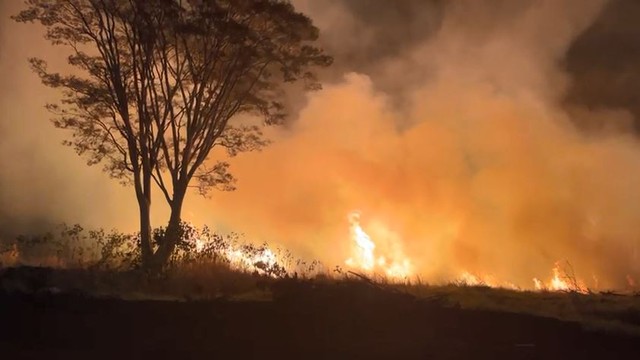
pixel 603 62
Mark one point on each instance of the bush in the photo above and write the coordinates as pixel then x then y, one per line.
pixel 72 246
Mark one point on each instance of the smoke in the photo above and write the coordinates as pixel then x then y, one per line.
pixel 478 168
pixel 42 182
pixel 444 123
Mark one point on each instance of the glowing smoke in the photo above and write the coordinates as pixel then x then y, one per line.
pixel 454 145
pixel 482 171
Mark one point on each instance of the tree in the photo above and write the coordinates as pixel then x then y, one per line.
pixel 158 84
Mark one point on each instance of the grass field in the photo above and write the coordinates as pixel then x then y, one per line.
pixel 93 303
pixel 49 313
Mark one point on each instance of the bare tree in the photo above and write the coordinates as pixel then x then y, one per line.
pixel 157 84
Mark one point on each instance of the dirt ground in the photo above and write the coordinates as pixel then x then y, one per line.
pixel 313 324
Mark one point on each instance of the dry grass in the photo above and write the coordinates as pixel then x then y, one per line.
pixel 202 281
pixel 105 264
pixel 602 311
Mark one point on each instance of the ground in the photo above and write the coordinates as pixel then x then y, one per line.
pixel 301 321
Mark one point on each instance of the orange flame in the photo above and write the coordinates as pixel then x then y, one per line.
pixel 253 261
pixel 467 278
pixel 395 265
pixel 561 282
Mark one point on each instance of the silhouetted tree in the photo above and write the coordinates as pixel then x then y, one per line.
pixel 157 84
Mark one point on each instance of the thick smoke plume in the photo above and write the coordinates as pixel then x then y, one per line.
pixel 478 169
pixel 444 123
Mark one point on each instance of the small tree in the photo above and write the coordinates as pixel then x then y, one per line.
pixel 158 84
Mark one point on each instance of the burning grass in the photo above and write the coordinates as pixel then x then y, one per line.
pixel 205 264
pixel 211 266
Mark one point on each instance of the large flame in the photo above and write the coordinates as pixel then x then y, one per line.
pixel 371 259
pixel 385 257
pixel 364 258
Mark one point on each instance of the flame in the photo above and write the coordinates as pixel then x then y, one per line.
pixel 394 264
pixel 253 262
pixel 558 283
pixel 387 258
pixel 256 260
pixel 364 251
pixel 467 278
pixel 561 281
pixel 538 285
pixel 631 282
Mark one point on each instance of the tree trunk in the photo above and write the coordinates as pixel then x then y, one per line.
pixel 173 232
pixel 145 232
pixel 144 199
pixel 144 205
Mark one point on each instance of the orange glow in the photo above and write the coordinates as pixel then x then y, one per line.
pixel 379 252
pixel 394 264
pixel 252 260
pixel 11 257
pixel 369 258
pixel 561 281
pixel 467 278
pixel 631 281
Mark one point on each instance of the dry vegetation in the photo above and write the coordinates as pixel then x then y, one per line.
pixel 106 264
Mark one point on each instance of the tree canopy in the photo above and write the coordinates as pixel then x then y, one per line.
pixel 157 84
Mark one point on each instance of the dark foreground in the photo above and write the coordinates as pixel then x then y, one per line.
pixel 311 324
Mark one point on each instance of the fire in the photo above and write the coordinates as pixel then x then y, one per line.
pixel 364 250
pixel 255 262
pixel 247 259
pixel 386 257
pixel 467 278
pixel 631 282
pixel 394 265
pixel 561 281
pixel 366 257
pixel 558 283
